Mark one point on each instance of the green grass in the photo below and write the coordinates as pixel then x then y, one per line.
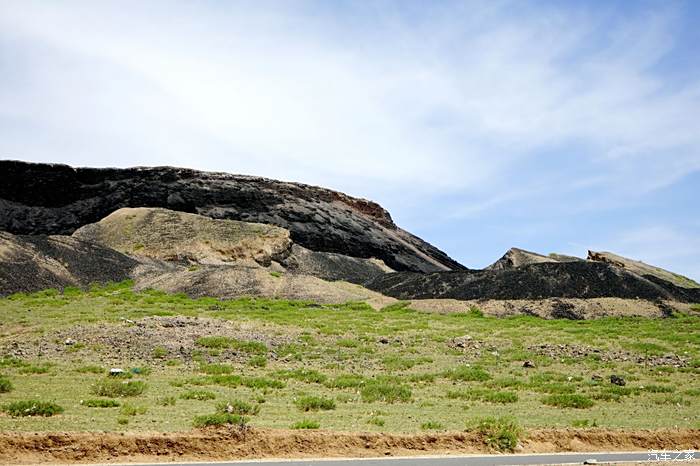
pixel 5 385
pixel 216 342
pixel 568 400
pixel 305 424
pixel 386 391
pixel 431 425
pixel 115 387
pixel 32 408
pixel 388 370
pixel 199 395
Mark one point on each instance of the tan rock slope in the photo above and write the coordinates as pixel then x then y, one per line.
pixel 640 268
pixel 181 237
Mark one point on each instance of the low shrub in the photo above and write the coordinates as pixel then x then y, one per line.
pixel 346 381
pixel 220 419
pixel 314 403
pixel 167 401
pixel 258 360
pixel 199 395
pixel 377 421
pixel 659 389
pixel 245 346
pixel 118 388
pixel 568 400
pixel 101 403
pixel 501 434
pixel 32 408
pixel 500 397
pixel 389 392
pixel 306 424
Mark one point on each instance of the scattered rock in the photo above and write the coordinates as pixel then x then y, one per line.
pixel 383 340
pixel 529 364
pixel 69 342
pixel 115 371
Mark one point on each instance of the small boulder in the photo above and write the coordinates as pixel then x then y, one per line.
pixel 617 380
pixel 529 364
pixel 115 371
pixel 70 342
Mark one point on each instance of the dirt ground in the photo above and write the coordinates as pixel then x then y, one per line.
pixel 234 443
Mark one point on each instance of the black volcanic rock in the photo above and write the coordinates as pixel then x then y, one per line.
pixel 58 199
pixel 31 263
pixel 579 279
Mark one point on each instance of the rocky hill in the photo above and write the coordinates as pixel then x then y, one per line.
pixel 578 279
pixel 58 199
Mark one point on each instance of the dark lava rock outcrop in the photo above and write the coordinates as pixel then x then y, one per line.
pixel 31 263
pixel 579 279
pixel 58 199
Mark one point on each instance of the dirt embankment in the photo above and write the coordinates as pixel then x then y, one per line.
pixel 221 444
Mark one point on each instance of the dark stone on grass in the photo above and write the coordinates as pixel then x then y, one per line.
pixel 618 380
pixel 529 364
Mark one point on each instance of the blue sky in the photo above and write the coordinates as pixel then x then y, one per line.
pixel 551 126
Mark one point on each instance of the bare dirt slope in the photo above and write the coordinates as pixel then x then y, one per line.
pixel 228 444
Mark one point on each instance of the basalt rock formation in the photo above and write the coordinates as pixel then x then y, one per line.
pixel 640 268
pixel 578 279
pixel 58 199
pixel 516 257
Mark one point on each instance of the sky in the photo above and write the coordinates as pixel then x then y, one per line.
pixel 553 126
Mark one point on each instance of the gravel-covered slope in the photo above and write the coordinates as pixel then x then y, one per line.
pixel 579 279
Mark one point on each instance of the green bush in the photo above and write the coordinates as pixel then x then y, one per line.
pixel 160 352
pixel 500 433
pixel 101 403
pixel 200 395
pixel 238 407
pixel 5 384
pixel 568 400
pixel 389 392
pixel 314 403
pixel 118 388
pixel 306 424
pixel 377 421
pixel 660 389
pixel 35 368
pixel 220 419
pixel 262 382
pixel 467 374
pixel 32 408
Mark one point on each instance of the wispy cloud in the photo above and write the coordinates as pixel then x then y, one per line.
pixel 490 104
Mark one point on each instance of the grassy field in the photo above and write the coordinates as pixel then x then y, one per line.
pixel 301 365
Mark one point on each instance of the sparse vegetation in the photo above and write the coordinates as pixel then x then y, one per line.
pixel 358 358
pixel 568 400
pixel 199 395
